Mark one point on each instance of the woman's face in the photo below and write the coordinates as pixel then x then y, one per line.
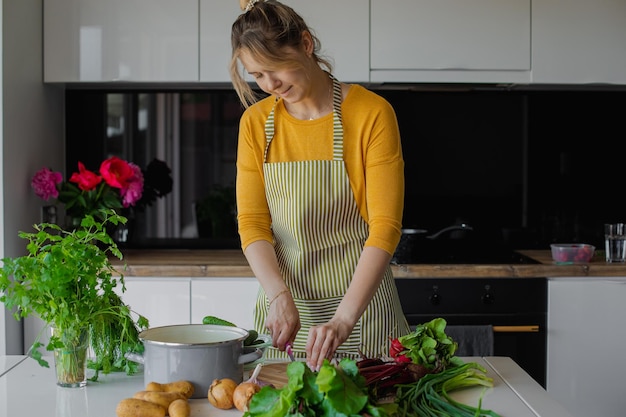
pixel 292 85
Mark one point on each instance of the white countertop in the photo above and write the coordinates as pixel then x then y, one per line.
pixel 30 390
pixel 8 362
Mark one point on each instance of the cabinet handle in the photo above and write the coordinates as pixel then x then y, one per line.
pixel 533 328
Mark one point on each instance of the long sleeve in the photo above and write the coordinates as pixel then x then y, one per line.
pixel 372 154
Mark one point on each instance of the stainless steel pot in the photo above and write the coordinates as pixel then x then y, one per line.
pixel 198 353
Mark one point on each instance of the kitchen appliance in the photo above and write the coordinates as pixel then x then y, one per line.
pixel 414 241
pixel 461 251
pixel 516 308
pixel 456 244
pixel 198 353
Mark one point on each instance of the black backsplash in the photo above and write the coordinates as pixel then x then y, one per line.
pixel 524 168
pixel 463 159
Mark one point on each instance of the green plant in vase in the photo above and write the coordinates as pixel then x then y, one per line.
pixel 68 281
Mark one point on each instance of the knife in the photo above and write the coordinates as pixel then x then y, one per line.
pixel 289 351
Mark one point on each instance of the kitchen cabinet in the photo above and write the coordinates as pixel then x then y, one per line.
pixel 120 40
pixel 343 30
pixel 181 41
pixel 378 41
pixel 450 41
pixel 179 300
pixel 216 19
pixel 229 298
pixel 163 301
pixel 579 42
pixel 348 49
pixel 586 338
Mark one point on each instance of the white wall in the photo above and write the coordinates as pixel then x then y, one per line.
pixel 3 347
pixel 31 135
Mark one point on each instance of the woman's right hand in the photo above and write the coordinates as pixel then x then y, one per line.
pixel 283 321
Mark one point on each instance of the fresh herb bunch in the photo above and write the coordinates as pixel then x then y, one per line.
pixel 429 396
pixel 428 345
pixel 333 391
pixel 67 280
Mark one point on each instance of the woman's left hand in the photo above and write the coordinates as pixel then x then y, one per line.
pixel 323 341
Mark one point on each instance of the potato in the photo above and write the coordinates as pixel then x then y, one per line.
pixel 134 407
pixel 164 399
pixel 179 408
pixel 184 387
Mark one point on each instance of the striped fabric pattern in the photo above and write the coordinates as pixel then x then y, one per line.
pixel 319 236
pixel 329 227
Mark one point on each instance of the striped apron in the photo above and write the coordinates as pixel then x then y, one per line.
pixel 319 235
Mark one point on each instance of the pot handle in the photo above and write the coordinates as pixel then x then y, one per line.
pixel 134 357
pixel 250 357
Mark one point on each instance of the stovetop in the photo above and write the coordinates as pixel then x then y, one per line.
pixel 462 252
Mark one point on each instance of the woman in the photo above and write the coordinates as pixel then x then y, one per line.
pixel 320 191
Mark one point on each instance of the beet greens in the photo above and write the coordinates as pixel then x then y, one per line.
pixel 333 391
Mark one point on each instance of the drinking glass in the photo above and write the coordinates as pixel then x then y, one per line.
pixel 615 242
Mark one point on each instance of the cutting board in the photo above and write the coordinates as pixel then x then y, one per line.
pixel 275 374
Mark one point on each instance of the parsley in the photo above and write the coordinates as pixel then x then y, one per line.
pixel 67 280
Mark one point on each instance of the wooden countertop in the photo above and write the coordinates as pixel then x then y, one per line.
pixel 232 263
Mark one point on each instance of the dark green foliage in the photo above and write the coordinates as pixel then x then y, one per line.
pixel 66 279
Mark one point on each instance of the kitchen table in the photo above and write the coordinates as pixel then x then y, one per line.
pixel 30 390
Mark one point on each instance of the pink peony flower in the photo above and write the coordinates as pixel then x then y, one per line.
pixel 45 182
pixel 133 190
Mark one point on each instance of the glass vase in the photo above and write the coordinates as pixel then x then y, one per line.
pixel 70 361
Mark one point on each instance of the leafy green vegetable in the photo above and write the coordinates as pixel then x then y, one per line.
pixel 428 345
pixel 334 391
pixel 113 335
pixel 67 280
pixel 429 396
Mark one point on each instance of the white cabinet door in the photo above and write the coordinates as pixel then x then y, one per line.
pixel 341 26
pixel 216 19
pixel 229 298
pixel 343 30
pixel 163 301
pixel 579 41
pixel 586 339
pixel 450 40
pixel 120 40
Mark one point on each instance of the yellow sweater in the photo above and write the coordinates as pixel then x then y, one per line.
pixel 372 155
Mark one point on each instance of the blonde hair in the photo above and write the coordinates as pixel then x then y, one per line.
pixel 265 31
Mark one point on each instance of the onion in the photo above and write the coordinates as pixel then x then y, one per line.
pixel 246 390
pixel 220 393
